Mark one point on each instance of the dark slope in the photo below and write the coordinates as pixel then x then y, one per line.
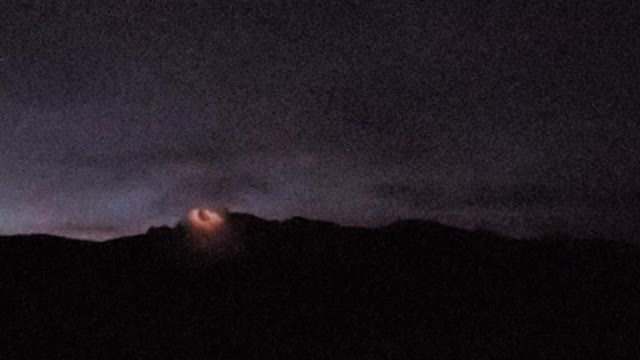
pixel 305 289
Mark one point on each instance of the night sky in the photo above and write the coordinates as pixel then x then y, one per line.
pixel 517 116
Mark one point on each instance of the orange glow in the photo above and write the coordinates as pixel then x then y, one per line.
pixel 207 231
pixel 204 221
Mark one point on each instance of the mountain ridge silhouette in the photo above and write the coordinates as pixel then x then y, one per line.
pixel 314 289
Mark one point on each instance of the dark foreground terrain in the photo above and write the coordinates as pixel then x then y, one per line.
pixel 302 289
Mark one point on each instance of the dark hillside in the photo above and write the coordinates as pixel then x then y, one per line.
pixel 307 289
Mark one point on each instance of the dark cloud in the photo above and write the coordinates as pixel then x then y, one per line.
pixel 212 189
pixel 415 196
pixel 354 112
pixel 546 195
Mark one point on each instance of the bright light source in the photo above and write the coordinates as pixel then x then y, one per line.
pixel 206 229
pixel 203 220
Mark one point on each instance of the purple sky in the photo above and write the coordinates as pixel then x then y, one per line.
pixel 521 117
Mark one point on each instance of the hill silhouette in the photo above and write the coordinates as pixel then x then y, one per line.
pixel 300 288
